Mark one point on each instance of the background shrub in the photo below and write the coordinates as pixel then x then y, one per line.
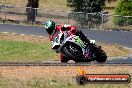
pixel 124 8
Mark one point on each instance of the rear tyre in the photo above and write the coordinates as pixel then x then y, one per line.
pixel 99 55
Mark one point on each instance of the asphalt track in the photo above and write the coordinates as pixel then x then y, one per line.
pixel 114 37
pixel 57 63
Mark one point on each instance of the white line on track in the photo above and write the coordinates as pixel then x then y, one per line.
pixel 40 36
pixel 32 35
pixel 14 33
pixel 22 34
pixel 5 32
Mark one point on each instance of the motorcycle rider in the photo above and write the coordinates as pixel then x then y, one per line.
pixel 51 29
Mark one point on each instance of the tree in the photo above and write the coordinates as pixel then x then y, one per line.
pixel 77 5
pixel 124 8
pixel 31 11
pixel 86 5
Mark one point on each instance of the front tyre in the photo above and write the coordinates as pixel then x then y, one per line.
pixel 75 51
pixel 64 59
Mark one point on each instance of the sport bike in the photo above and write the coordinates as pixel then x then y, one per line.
pixel 73 48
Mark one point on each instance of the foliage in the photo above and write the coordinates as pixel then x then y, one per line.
pixel 77 5
pixel 86 6
pixel 86 20
pixel 124 9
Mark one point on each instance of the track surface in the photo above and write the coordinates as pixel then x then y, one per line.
pixel 113 37
pixel 54 63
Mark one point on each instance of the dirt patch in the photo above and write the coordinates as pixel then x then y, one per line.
pixel 59 71
pixel 26 38
pixel 114 49
pixel 56 76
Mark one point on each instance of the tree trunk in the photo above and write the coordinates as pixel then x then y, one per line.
pixel 31 10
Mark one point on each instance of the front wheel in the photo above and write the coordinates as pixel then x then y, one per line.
pixel 64 59
pixel 73 51
pixel 82 61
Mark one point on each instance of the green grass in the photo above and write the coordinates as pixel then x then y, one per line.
pixel 47 4
pixel 27 48
pixel 56 76
pixel 25 51
pixel 53 83
pixel 52 4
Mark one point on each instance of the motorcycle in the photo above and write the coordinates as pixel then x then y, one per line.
pixel 73 48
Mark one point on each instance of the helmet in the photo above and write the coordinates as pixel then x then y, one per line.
pixel 50 27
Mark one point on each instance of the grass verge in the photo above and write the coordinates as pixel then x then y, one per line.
pixel 56 77
pixel 25 51
pixel 25 48
pixel 29 48
pixel 114 50
pixel 46 4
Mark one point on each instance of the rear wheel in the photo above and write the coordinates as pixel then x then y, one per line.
pixel 98 54
pixel 101 56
